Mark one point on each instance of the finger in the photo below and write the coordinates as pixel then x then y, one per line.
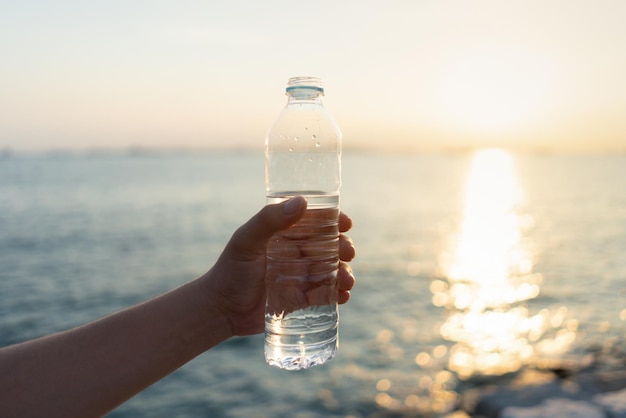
pixel 345 277
pixel 272 218
pixel 345 222
pixel 346 248
pixel 343 297
pixel 345 282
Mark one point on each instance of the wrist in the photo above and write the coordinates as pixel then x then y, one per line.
pixel 215 324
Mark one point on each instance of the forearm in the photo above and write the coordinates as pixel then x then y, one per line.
pixel 90 370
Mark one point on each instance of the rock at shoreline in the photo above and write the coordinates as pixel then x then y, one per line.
pixel 555 408
pixel 542 394
pixel 613 402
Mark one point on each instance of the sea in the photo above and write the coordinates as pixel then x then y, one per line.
pixel 469 264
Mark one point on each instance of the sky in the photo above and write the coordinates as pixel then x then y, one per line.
pixel 399 75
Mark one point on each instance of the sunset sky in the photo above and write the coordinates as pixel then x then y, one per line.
pixel 398 74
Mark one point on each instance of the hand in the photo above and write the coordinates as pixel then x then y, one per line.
pixel 235 286
pixel 133 348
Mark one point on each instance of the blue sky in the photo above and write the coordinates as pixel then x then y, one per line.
pixel 399 74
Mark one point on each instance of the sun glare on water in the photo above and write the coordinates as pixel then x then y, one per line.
pixel 488 275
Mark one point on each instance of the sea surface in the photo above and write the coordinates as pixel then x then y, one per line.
pixel 469 264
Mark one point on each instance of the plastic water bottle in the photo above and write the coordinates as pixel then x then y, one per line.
pixel 303 157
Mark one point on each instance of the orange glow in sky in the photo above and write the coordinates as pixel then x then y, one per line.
pixel 402 74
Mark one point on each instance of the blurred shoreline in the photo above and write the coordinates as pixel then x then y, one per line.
pixel 595 380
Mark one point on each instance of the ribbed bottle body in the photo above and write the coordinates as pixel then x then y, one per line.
pixel 303 158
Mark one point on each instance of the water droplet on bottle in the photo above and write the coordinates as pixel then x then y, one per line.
pixel 295 139
pixel 317 144
pixel 313 137
pixel 310 159
pixel 290 149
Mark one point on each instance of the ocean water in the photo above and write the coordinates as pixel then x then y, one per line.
pixel 468 264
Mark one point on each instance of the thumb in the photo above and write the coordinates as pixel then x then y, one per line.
pixel 255 233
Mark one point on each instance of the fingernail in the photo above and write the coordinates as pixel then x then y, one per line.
pixel 292 206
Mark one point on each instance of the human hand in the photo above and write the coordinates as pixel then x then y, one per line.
pixel 235 286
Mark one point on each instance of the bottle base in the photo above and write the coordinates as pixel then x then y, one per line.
pixel 301 339
pixel 300 357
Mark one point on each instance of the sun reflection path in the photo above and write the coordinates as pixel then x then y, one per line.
pixel 488 275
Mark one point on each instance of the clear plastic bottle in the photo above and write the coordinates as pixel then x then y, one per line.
pixel 303 157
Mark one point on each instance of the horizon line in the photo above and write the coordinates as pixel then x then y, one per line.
pixel 137 150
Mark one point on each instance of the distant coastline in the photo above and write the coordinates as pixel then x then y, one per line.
pixel 140 151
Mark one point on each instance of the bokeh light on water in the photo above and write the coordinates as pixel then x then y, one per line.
pixel 487 275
